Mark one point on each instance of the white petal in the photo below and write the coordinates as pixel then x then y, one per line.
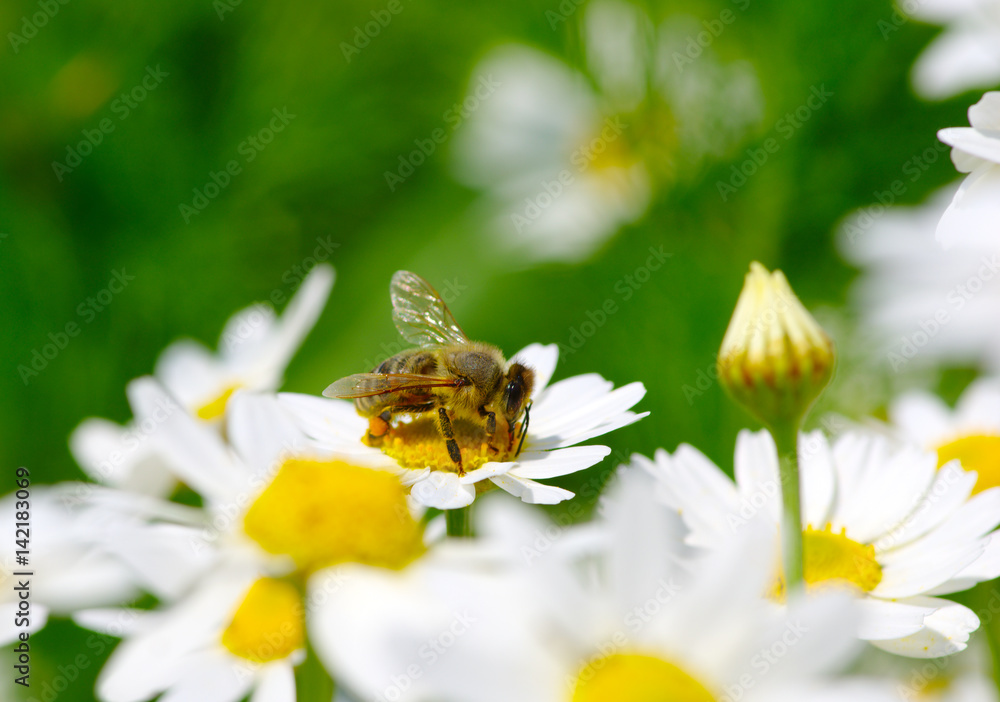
pixel 593 413
pixel 211 676
pixel 571 436
pixel 191 373
pixel 972 141
pixel 975 209
pixel 263 434
pixel 333 425
pixel 552 464
pixel 986 567
pixel 818 478
pixel 530 491
pixel 275 683
pixel 756 470
pixel 295 323
pixel 443 490
pixel 705 497
pixel 541 358
pixel 917 569
pixel 888 619
pixel 119 622
pixel 487 470
pixel 945 631
pixel 923 417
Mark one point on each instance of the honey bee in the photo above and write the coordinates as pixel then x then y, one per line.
pixel 447 374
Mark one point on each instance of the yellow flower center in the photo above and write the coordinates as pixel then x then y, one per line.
pixel 213 409
pixel 419 444
pixel 268 624
pixel 834 558
pixel 633 677
pixel 326 512
pixel 978 452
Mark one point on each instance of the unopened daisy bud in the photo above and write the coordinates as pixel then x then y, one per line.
pixel 775 359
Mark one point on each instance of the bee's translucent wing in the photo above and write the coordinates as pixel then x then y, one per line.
pixel 420 314
pixel 370 384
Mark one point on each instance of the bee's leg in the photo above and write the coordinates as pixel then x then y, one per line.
pixel 491 425
pixel 444 424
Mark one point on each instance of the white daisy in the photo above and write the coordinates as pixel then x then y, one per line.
pixel 567 159
pixel 562 414
pixel 883 519
pixel 276 509
pixel 69 569
pixel 975 210
pixel 629 621
pixel 969 433
pixel 921 304
pixel 254 349
pixel 966 55
pixel 237 633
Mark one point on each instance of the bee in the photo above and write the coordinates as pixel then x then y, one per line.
pixel 447 375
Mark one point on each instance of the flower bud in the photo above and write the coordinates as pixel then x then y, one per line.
pixel 775 359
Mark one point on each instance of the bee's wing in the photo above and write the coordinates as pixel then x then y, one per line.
pixel 370 384
pixel 420 314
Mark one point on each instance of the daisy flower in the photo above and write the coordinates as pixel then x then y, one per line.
pixel 975 209
pixel 70 569
pixel 966 55
pixel 278 511
pixel 562 415
pixel 631 620
pixel 970 433
pixel 566 158
pixel 254 349
pixel 922 304
pixel 882 520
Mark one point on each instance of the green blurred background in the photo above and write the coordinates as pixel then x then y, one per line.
pixel 228 66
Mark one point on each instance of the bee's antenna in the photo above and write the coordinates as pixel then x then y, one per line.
pixel 524 428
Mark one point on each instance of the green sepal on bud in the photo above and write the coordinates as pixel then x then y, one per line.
pixel 775 359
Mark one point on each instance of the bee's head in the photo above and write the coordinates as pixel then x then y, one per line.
pixel 519 382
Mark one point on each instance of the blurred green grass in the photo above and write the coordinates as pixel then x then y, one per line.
pixel 323 177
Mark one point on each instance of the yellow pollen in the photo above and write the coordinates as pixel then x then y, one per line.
pixel 268 624
pixel 633 677
pixel 834 558
pixel 326 512
pixel 978 452
pixel 419 444
pixel 214 409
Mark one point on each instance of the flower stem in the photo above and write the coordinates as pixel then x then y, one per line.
pixel 459 522
pixel 786 438
pixel 312 682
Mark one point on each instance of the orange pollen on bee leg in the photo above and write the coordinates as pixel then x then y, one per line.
pixel 377 426
pixel 418 444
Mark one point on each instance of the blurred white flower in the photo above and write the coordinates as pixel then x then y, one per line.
pixel 921 303
pixel 234 635
pixel 564 414
pixel 567 159
pixel 883 521
pixel 975 210
pixel 969 433
pixel 629 618
pixel 966 55
pixel 70 569
pixel 254 349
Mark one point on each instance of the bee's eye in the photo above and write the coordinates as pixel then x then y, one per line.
pixel 514 396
